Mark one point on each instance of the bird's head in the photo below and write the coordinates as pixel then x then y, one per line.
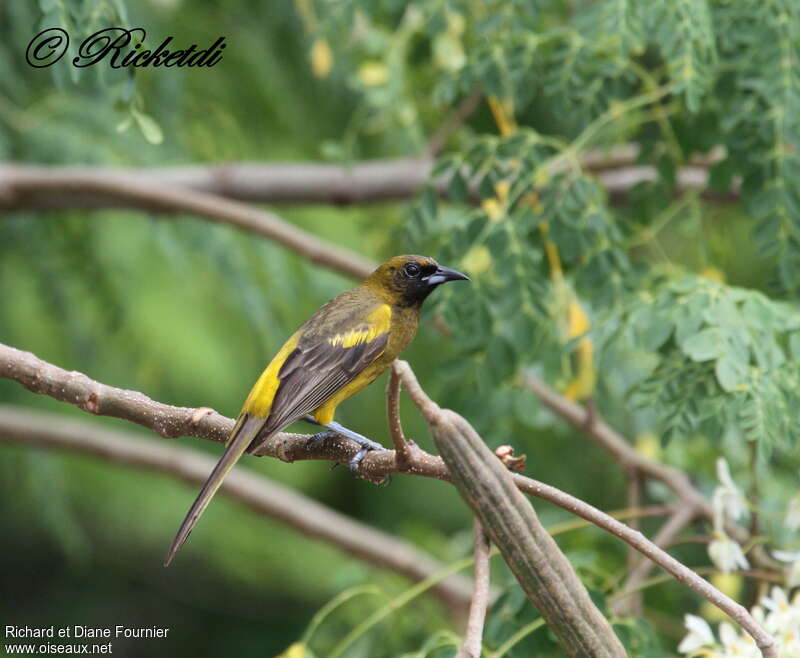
pixel 408 280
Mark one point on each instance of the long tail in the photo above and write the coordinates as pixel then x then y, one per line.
pixel 246 429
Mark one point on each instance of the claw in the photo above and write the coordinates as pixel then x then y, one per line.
pixel 319 436
pixel 355 462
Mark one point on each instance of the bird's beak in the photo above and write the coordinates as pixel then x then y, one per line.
pixel 445 274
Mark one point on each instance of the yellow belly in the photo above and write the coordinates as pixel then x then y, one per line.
pixel 324 414
pixel 398 341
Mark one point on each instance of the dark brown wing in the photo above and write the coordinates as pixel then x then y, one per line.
pixel 335 346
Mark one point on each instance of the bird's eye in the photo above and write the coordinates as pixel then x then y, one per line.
pixel 411 270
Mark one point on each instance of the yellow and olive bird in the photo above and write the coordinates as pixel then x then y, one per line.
pixel 338 351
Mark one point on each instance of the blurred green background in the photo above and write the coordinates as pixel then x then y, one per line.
pixel 189 312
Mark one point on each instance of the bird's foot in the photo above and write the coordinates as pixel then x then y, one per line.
pixel 335 429
pixel 366 444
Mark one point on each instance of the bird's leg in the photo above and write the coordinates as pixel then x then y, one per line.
pixel 334 428
pixel 365 443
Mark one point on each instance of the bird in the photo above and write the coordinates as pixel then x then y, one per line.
pixel 342 348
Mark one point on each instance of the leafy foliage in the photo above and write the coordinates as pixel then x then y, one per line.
pixel 762 124
pixel 652 73
pixel 721 359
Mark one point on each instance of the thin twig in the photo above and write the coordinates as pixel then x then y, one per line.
pixel 636 539
pixel 690 539
pixel 465 109
pixel 641 567
pixel 615 443
pixel 624 453
pixel 761 577
pixel 401 446
pixel 473 638
pixel 633 499
pixel 629 458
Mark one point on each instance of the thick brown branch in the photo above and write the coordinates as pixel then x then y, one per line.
pixel 39 187
pixel 76 388
pixel 263 496
pixel 280 182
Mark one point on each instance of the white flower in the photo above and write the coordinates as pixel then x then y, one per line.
pixel 699 635
pixel 779 616
pixel 783 616
pixel 735 644
pixel 792 518
pixel 727 500
pixel 792 558
pixel 726 554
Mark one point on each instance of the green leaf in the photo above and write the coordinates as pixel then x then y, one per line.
pixel 458 187
pixel 150 129
pixel 730 373
pixel 500 357
pixel 704 345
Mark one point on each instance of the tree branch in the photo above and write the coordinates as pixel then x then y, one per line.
pixel 263 496
pixel 641 568
pixel 75 388
pixel 31 187
pixel 40 187
pixel 432 413
pixel 254 182
pixel 473 638
pixel 591 424
pixel 615 444
pixel 401 446
pixel 633 500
